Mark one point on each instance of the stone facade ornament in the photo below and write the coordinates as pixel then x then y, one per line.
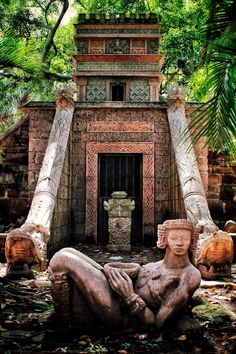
pixel 194 198
pixel 126 295
pixel 27 245
pixel 119 221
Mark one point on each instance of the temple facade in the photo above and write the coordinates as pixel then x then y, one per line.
pixel 119 141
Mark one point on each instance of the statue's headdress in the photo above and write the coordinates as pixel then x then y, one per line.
pixel 182 224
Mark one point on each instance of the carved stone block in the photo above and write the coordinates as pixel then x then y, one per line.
pixel 119 221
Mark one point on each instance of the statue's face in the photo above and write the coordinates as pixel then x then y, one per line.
pixel 178 241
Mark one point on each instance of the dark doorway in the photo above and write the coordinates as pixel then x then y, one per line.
pixel 117 92
pixel 120 172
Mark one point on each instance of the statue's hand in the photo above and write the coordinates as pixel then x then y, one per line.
pixel 120 283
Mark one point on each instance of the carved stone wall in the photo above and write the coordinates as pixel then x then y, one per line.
pixel 117 46
pixel 92 151
pixel 14 197
pixel 39 130
pixel 40 125
pixel 96 90
pixel 221 189
pixel 139 91
pixel 101 124
pixel 117 130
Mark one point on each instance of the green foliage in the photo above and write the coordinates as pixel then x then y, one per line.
pixel 113 6
pixel 23 30
pixel 217 121
pixel 192 31
pixel 14 54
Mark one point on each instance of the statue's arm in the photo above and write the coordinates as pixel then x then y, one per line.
pixel 123 286
pixel 177 298
pixel 171 304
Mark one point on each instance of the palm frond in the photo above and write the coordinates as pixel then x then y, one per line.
pixel 216 119
pixel 13 55
pixel 223 18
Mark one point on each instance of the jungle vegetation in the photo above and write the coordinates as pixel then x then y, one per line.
pixel 198 41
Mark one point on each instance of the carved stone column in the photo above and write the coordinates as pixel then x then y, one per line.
pixel 154 89
pixel 81 84
pixel 209 255
pixel 27 245
pixel 119 221
pixel 195 202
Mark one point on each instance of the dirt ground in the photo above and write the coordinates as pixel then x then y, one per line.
pixel 27 325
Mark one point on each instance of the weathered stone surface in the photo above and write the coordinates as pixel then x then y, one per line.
pixel 119 210
pixel 13 173
pixel 215 255
pixel 27 245
pixel 191 184
pixel 154 294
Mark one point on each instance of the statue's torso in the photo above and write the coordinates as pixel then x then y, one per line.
pixel 155 281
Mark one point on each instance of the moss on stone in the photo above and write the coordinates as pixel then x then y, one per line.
pixel 213 313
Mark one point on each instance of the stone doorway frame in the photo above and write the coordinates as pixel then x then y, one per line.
pixel 92 151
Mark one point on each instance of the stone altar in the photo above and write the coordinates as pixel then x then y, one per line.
pixel 124 295
pixel 119 221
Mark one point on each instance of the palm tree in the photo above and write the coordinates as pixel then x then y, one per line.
pixel 216 119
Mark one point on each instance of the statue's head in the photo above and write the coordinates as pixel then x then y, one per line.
pixel 178 235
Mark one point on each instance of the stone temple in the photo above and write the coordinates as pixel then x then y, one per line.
pixel 119 139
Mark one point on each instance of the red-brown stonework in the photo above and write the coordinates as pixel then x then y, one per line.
pixel 92 151
pixel 110 127
pixel 39 130
pixel 150 128
pixel 222 188
pixel 14 202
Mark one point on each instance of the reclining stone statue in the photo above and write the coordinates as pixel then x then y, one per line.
pixel 124 294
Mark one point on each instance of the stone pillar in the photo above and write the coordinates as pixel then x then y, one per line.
pixel 27 245
pixel 81 84
pixel 195 202
pixel 154 89
pixel 214 251
pixel 119 221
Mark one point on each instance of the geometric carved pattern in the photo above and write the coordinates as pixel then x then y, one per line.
pixel 92 151
pixel 82 46
pixel 96 46
pixel 138 46
pixel 117 46
pixel 96 90
pixel 117 127
pixel 152 47
pixel 139 91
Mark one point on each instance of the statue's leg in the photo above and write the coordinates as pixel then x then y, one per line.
pixel 90 280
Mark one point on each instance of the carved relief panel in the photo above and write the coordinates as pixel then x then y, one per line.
pixel 139 91
pixel 96 46
pixel 117 46
pixel 82 46
pixel 92 151
pixel 138 46
pixel 152 46
pixel 96 90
